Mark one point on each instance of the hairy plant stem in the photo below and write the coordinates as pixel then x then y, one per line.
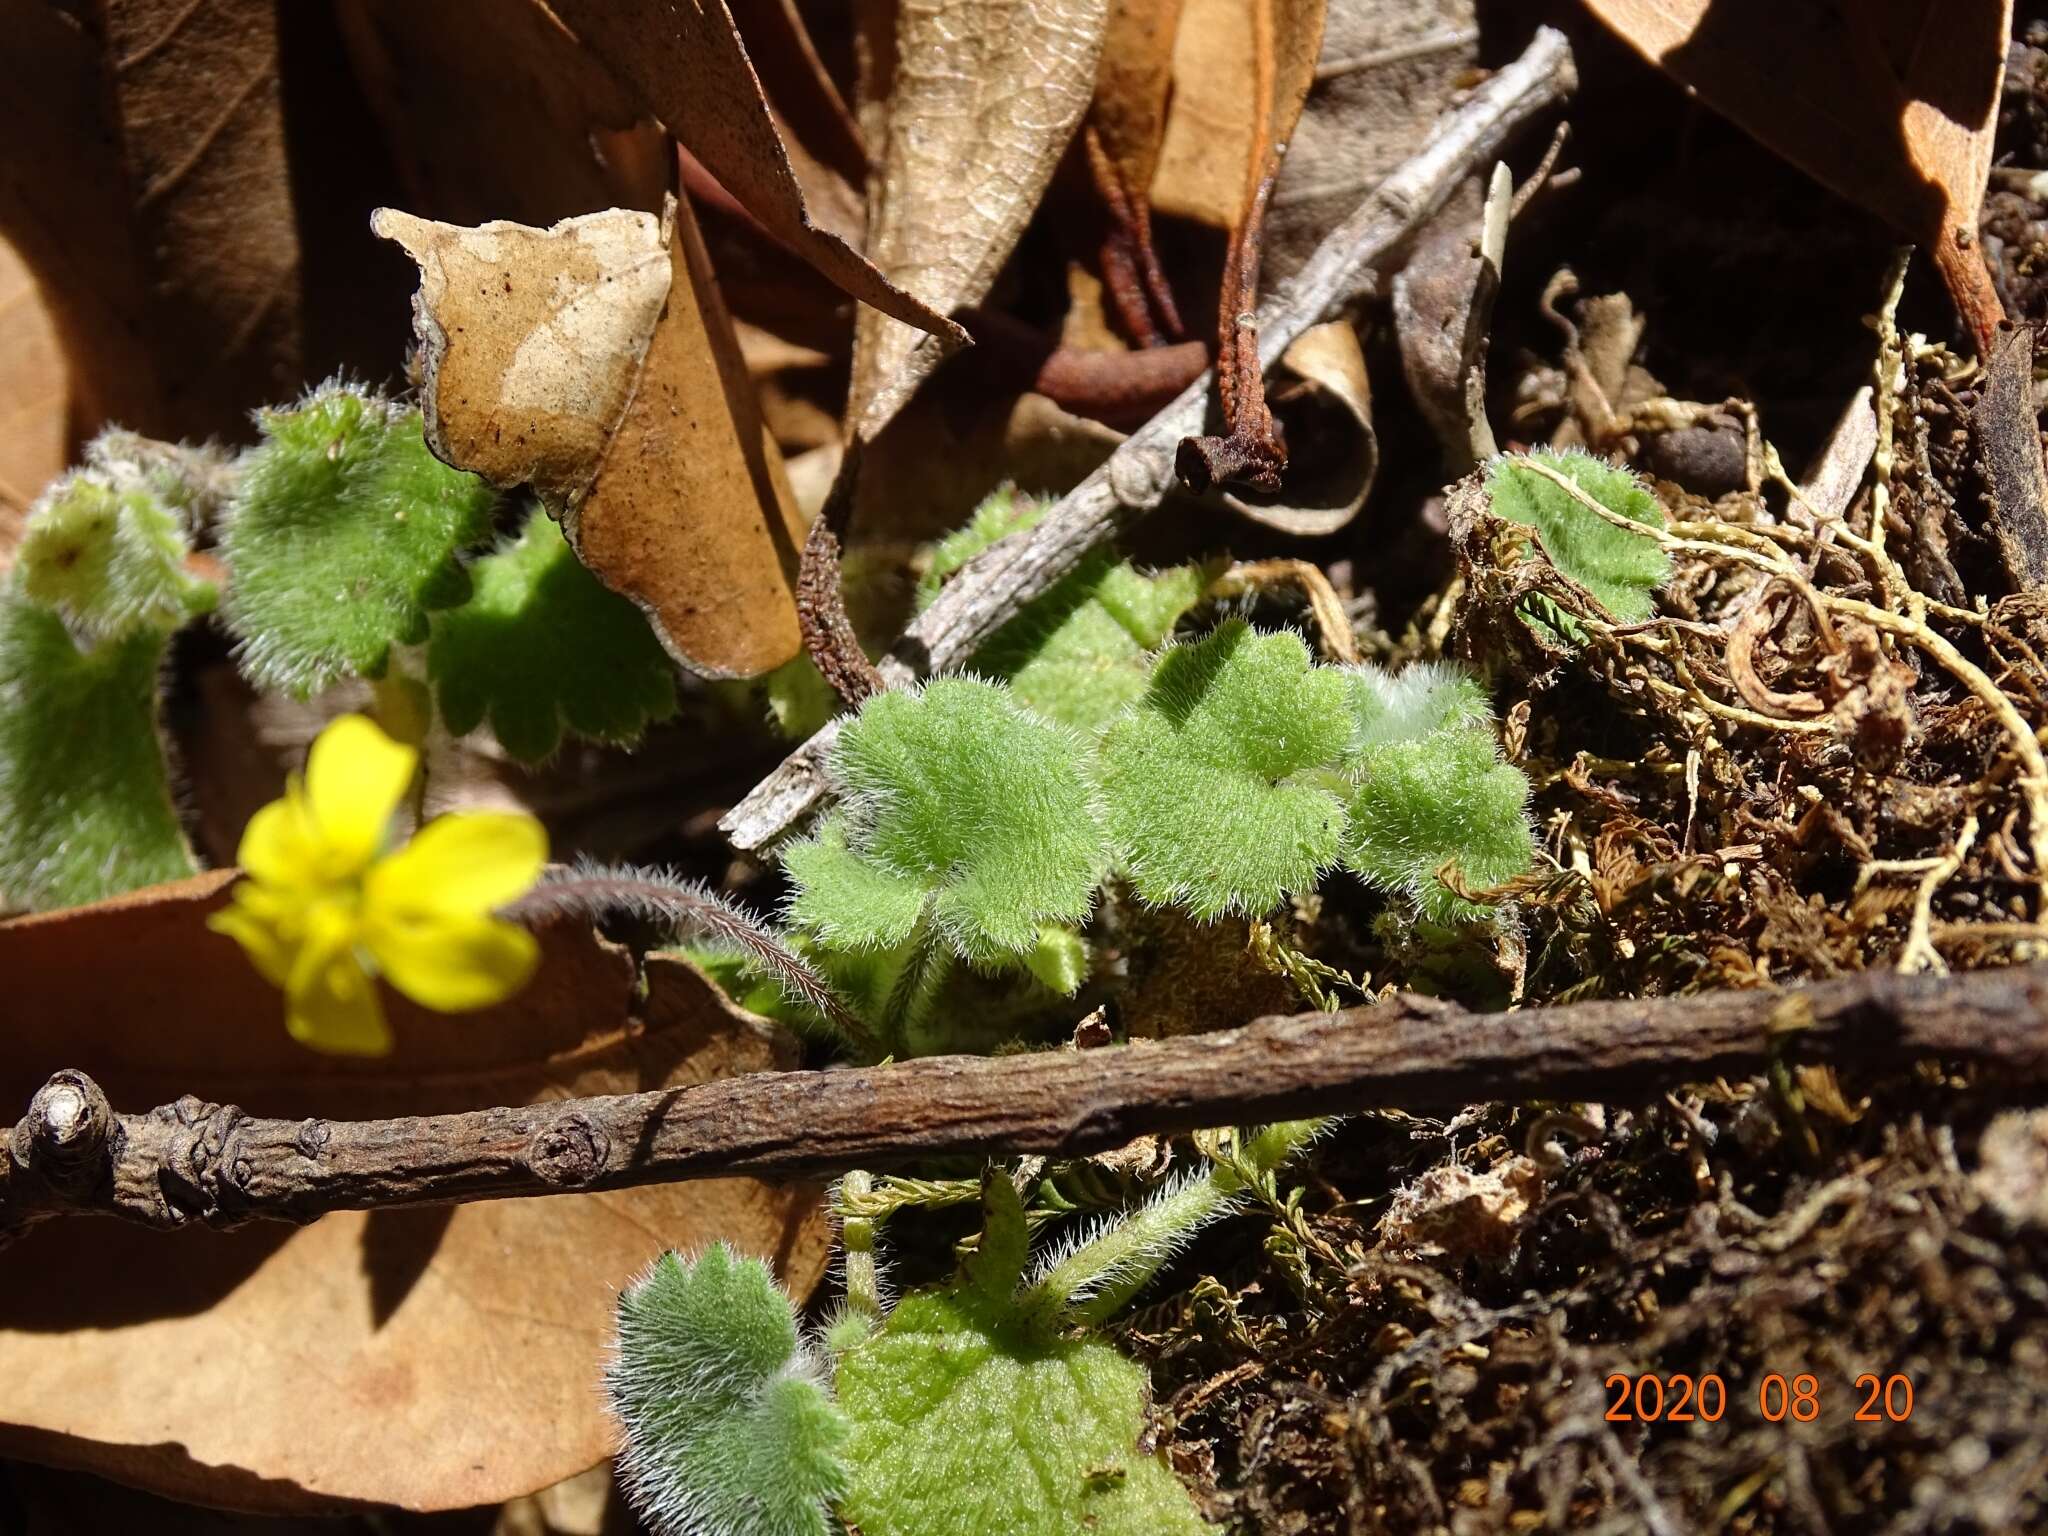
pixel 858 1241
pixel 927 964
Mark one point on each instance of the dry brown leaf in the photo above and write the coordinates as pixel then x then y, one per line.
pixel 685 59
pixel 1216 119
pixel 800 90
pixel 1388 69
pixel 514 120
pixel 983 100
pixel 33 397
pixel 1889 103
pixel 595 362
pixel 143 178
pixel 426 1358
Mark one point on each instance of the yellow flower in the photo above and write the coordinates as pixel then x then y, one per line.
pixel 326 908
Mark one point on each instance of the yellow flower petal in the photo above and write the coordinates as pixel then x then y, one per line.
pixel 449 962
pixel 281 846
pixel 260 937
pixel 331 1003
pixel 355 778
pixel 467 863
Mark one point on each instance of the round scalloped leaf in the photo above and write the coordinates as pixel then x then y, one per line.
pixel 1446 796
pixel 342 535
pixel 954 794
pixel 967 1420
pixel 1205 781
pixel 85 801
pixel 1621 569
pixel 728 1430
pixel 542 646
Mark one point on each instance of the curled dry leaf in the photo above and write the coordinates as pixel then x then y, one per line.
pixel 595 362
pixel 686 61
pixel 143 178
pixel 1891 104
pixel 1284 36
pixel 983 99
pixel 1323 374
pixel 216 1367
pixel 33 436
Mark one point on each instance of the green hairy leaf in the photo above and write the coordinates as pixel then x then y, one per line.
pixel 1621 569
pixel 1442 796
pixel 1428 696
pixel 543 646
pixel 109 558
pixel 342 535
pixel 729 1430
pixel 963 812
pixel 1004 511
pixel 968 1419
pixel 1082 652
pixel 85 802
pixel 1213 784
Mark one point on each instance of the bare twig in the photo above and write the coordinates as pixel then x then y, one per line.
pixel 1138 475
pixel 195 1162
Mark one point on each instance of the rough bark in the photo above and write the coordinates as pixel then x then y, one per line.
pixel 197 1162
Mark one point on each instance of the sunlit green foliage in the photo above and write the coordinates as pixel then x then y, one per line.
pixel 543 646
pixel 1431 789
pixel 729 1430
pixel 342 535
pixel 1214 785
pixel 110 559
pixel 85 802
pixel 1621 569
pixel 961 811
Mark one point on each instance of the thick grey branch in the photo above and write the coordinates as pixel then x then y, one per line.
pixel 1136 477
pixel 194 1161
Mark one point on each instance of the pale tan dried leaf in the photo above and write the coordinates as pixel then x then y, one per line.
pixel 685 59
pixel 1215 123
pixel 531 340
pixel 984 98
pixel 428 1358
pixel 143 177
pixel 513 120
pixel 1388 69
pixel 1891 104
pixel 596 362
pixel 34 397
